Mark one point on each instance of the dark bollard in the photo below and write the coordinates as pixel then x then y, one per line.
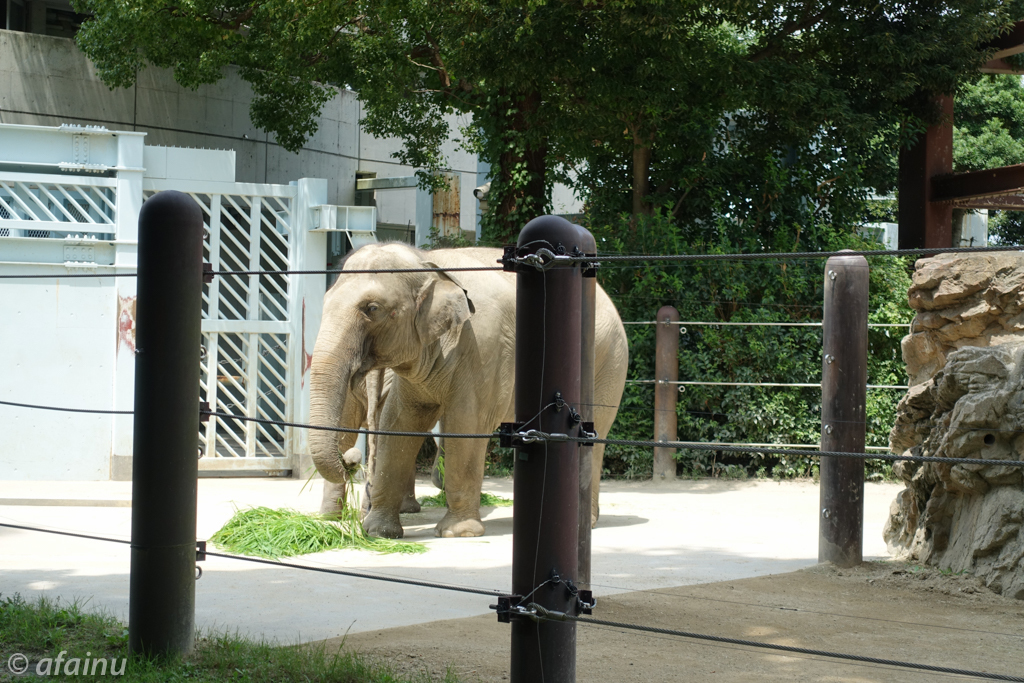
pixel 161 607
pixel 545 517
pixel 666 369
pixel 587 317
pixel 844 381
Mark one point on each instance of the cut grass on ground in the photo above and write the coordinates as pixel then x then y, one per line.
pixel 42 629
pixel 487 500
pixel 263 532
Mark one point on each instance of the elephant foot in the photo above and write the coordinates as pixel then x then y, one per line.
pixel 453 527
pixel 383 524
pixel 409 504
pixel 334 494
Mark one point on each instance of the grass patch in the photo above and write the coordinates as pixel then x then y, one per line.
pixel 263 532
pixel 41 630
pixel 487 500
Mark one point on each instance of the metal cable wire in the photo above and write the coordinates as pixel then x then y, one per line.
pixel 690 445
pixel 768 256
pixel 290 565
pixel 378 432
pixel 606 258
pixel 68 410
pixel 686 596
pixel 559 616
pixel 356 271
pixel 702 446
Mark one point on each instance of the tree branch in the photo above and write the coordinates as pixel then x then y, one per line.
pixel 773 43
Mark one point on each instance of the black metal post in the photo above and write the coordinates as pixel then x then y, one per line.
pixel 666 369
pixel 588 320
pixel 161 606
pixel 546 487
pixel 844 380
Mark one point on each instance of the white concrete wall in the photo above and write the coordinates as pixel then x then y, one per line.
pixel 48 81
pixel 58 341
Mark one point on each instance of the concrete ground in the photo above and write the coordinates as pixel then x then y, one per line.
pixel 650 536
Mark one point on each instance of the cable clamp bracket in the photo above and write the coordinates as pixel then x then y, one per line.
pixel 543 259
pixel 507 608
pixel 585 602
pixel 510 435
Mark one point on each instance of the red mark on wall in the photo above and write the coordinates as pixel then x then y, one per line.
pixel 126 323
pixel 307 358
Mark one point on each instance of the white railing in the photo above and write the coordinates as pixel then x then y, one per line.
pixel 40 205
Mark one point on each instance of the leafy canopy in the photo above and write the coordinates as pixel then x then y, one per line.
pixel 628 96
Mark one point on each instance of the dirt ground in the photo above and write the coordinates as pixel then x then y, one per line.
pixel 887 610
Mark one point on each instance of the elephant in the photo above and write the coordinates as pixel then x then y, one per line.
pixel 446 341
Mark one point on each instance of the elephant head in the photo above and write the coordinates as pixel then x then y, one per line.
pixel 397 320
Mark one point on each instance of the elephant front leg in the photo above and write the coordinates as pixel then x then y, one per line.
pixel 463 478
pixel 395 467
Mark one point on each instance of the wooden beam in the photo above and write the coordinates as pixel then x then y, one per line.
pixel 925 223
pixel 1009 202
pixel 1001 66
pixel 991 182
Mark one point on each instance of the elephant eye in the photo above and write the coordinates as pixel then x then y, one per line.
pixel 371 308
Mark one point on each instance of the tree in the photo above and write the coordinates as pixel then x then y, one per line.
pixel 604 87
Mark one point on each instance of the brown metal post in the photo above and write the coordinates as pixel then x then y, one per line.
pixel 546 487
pixel 925 223
pixel 587 318
pixel 666 369
pixel 165 463
pixel 844 379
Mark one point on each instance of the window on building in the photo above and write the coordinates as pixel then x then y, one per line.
pixel 13 14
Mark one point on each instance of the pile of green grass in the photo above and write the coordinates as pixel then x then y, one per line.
pixel 42 629
pixel 487 500
pixel 263 532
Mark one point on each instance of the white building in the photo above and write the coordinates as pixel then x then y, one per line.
pixel 46 80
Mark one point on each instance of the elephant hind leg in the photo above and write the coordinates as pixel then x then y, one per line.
pixel 463 477
pixel 604 417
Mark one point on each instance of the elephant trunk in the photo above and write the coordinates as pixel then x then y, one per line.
pixel 331 403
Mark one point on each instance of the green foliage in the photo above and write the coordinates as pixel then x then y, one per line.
pixel 743 291
pixel 989 124
pixel 490 500
pixel 263 532
pixel 639 101
pixel 43 628
pixel 435 240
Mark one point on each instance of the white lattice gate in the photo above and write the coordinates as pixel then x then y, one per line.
pixel 247 323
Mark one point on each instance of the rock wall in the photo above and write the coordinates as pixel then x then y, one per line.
pixel 965 358
pixel 962 300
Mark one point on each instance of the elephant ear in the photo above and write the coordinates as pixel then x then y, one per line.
pixel 441 308
pixel 444 275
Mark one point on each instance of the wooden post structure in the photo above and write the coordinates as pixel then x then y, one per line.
pixel 545 519
pixel 587 337
pixel 666 369
pixel 924 222
pixel 162 586
pixel 844 381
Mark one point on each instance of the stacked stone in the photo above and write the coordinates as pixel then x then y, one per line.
pixel 965 360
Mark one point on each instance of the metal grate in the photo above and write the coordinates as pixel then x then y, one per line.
pixel 245 371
